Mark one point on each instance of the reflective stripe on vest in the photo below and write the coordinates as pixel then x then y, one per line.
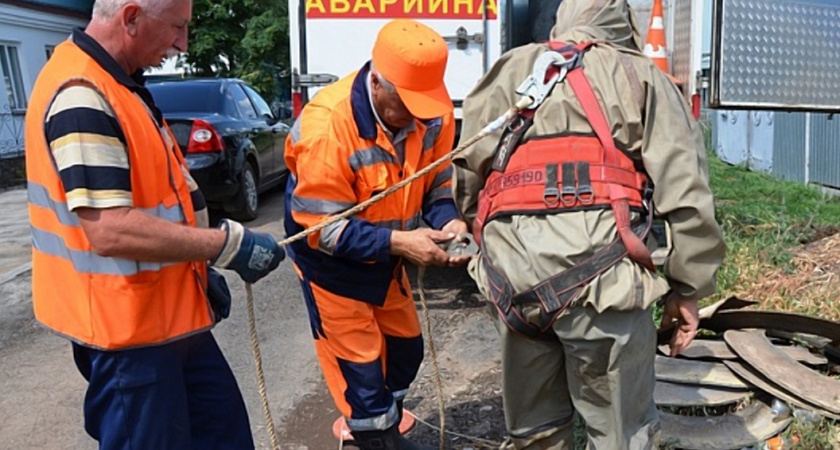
pixel 106 302
pixel 88 261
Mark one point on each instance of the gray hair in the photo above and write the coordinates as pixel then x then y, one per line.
pixel 106 9
pixel 389 87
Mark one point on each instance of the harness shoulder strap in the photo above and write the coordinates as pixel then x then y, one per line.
pixel 637 250
pixel 633 77
pixel 511 138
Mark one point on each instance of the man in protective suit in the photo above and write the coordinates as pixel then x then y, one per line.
pixel 561 200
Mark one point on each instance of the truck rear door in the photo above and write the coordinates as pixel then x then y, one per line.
pixel 334 37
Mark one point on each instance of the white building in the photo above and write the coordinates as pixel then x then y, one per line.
pixel 28 33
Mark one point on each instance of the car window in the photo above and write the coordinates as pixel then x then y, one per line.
pixel 186 97
pixel 242 102
pixel 263 110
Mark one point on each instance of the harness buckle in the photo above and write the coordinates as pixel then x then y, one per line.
pixel 569 192
pixel 552 197
pixel 584 191
pixel 568 196
pixel 586 195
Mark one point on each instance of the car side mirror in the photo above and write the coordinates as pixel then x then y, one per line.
pixel 282 112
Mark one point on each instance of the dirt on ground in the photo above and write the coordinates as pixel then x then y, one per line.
pixel 468 357
pixel 807 285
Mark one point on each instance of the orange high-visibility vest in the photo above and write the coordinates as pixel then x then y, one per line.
pixel 104 302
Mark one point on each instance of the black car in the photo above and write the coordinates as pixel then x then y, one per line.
pixel 232 140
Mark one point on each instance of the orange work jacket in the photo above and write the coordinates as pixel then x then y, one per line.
pixel 338 157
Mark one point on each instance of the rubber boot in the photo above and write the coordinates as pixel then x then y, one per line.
pixel 405 444
pixel 389 439
pixel 377 439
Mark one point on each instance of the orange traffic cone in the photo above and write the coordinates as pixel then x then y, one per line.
pixel 655 45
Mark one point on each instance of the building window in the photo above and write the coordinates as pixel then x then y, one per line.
pixel 49 49
pixel 12 78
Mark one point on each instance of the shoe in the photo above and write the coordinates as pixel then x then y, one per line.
pixel 405 444
pixel 389 439
pixel 376 439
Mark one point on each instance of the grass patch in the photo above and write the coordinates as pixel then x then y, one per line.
pixel 783 251
pixel 764 218
pixel 782 247
pixel 802 435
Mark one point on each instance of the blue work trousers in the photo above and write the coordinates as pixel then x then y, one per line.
pixel 176 396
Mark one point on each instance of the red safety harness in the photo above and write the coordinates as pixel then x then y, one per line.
pixel 557 174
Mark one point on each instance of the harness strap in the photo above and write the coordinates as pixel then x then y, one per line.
pixel 584 191
pixel 555 293
pixel 618 195
pixel 586 174
pixel 511 137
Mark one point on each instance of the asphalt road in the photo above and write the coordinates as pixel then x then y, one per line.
pixel 41 392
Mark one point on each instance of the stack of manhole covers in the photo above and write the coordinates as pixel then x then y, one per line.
pixel 752 359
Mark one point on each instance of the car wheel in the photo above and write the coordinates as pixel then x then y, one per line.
pixel 248 201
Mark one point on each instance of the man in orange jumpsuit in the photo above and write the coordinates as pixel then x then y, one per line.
pixel 356 138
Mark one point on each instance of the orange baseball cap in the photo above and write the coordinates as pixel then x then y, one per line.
pixel 413 57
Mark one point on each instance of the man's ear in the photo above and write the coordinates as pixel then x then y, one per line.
pixel 375 85
pixel 129 15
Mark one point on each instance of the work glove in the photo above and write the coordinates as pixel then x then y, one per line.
pixel 218 294
pixel 249 253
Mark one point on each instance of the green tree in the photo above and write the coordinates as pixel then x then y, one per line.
pixel 248 39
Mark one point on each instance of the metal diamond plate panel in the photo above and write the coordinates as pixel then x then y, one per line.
pixel 776 54
pixel 681 54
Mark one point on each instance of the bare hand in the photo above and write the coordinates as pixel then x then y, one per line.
pixel 457 227
pixel 420 246
pixel 682 312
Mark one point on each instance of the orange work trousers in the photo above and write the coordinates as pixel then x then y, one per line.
pixel 369 355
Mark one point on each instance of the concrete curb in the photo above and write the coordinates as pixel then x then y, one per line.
pixel 14 273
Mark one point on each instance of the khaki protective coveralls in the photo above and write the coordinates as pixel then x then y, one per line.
pixel 602 364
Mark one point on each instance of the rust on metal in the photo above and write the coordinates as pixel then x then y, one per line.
pixel 687 395
pixel 752 424
pixel 754 348
pixel 687 371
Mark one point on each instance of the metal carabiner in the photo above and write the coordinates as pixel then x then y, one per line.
pixel 536 86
